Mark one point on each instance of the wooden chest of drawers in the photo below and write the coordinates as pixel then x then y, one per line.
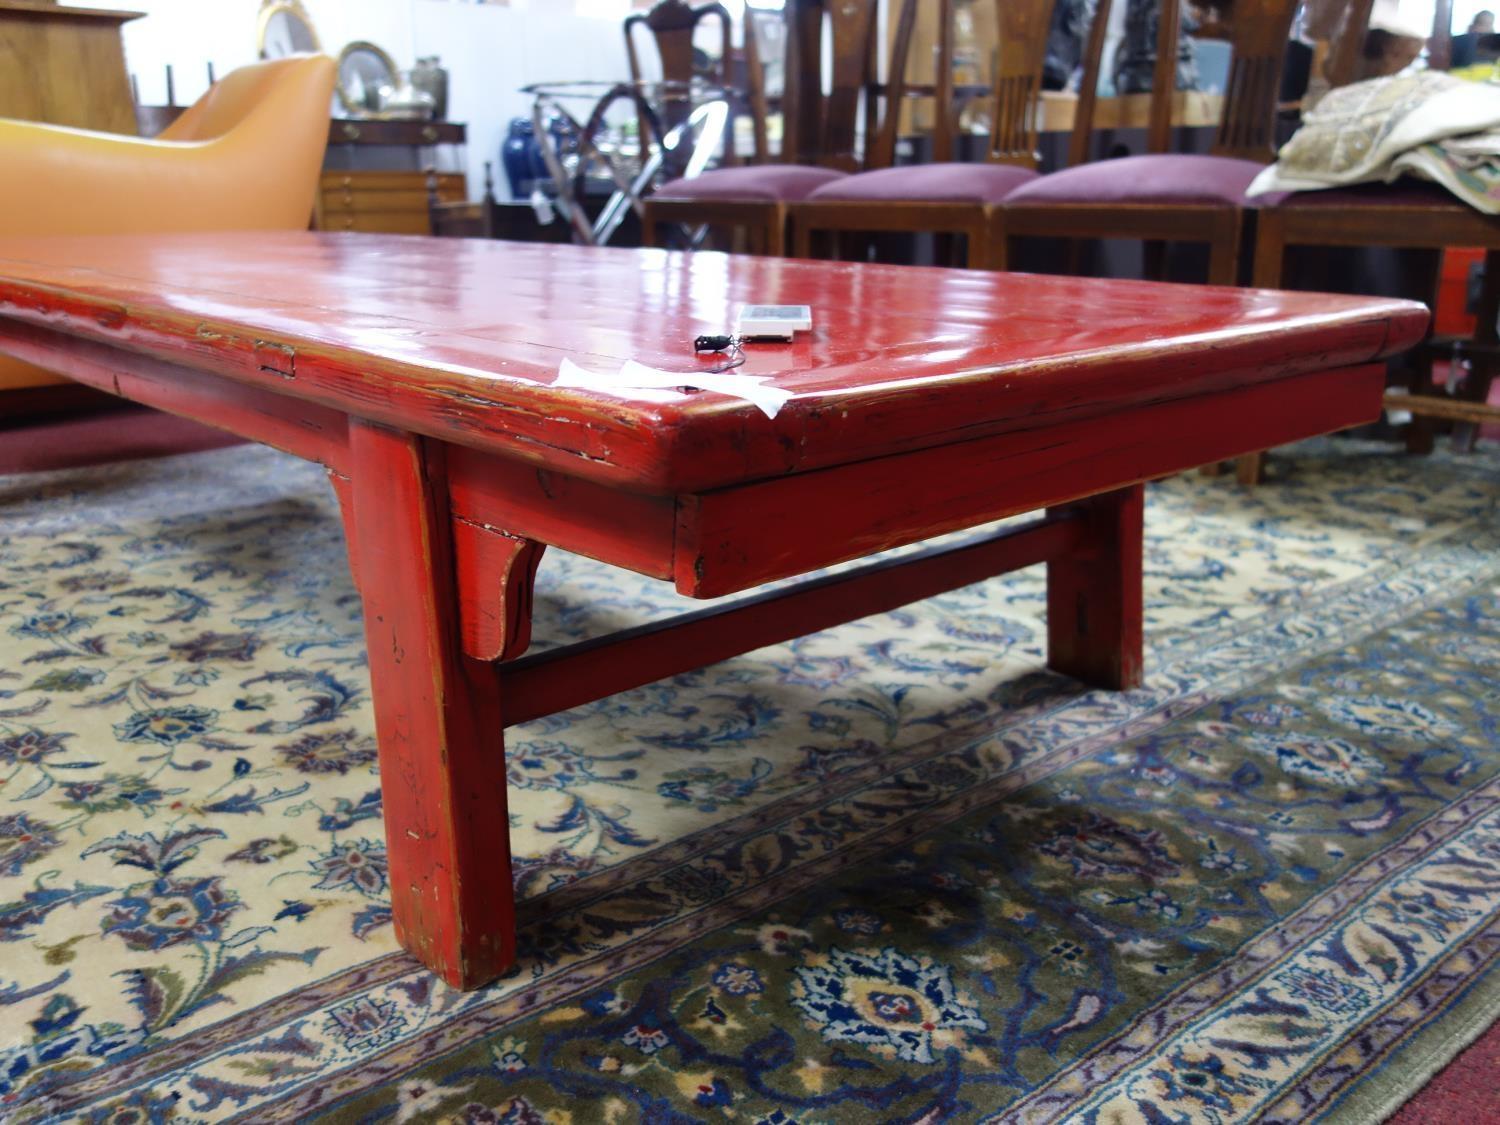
pixel 387 202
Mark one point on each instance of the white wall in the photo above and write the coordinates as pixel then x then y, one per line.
pixel 489 50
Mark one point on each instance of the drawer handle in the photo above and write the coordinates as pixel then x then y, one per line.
pixel 429 134
pixel 351 131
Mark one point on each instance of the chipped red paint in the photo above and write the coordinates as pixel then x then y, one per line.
pixel 418 371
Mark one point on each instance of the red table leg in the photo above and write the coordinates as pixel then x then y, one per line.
pixel 1094 595
pixel 437 715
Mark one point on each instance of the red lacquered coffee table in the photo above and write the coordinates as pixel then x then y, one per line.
pixel 419 372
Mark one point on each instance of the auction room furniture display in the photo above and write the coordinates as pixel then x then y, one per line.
pixel 65 66
pixel 821 130
pixel 1179 197
pixel 245 156
pixel 422 372
pixel 946 197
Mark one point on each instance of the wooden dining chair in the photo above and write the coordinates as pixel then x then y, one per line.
pixel 820 133
pixel 1162 197
pixel 1408 214
pixel 672 25
pixel 1337 30
pixel 945 197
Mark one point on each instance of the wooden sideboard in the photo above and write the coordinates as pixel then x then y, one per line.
pixel 65 66
pixel 375 174
pixel 382 202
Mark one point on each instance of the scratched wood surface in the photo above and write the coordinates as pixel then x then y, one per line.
pixel 462 339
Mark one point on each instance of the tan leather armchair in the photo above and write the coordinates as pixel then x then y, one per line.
pixel 245 156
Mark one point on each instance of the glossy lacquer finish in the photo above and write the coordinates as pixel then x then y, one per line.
pixel 461 339
pixel 419 372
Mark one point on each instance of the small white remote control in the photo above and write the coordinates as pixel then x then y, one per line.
pixel 774 322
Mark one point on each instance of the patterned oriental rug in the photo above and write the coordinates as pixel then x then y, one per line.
pixel 892 872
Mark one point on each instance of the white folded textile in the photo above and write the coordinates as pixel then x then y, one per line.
pixel 636 380
pixel 1429 125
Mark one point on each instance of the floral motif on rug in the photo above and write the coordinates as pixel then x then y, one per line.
pixel 894 871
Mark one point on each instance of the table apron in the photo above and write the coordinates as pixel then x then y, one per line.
pixel 737 538
pixel 733 539
pixel 286 422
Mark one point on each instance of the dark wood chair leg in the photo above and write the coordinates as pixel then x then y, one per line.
pixel 998 240
pixel 1224 250
pixel 1154 259
pixel 1267 273
pixel 775 244
pixel 944 249
pixel 976 252
pixel 802 235
pixel 1094 597
pixel 1073 257
pixel 437 716
pixel 1486 340
pixel 1419 431
pixel 1270 250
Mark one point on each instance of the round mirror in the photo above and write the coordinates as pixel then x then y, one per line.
pixel 363 69
pixel 285 29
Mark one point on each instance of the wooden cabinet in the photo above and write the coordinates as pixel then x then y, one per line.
pixel 65 66
pixel 388 202
pixel 375 174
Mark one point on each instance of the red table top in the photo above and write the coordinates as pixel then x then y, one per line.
pixel 461 339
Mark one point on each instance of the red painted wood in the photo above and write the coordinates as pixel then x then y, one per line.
pixel 495 572
pixel 557 680
pixel 582 516
pixel 343 488
pixel 461 340
pixel 1094 594
pixel 419 373
pixel 442 759
pixel 741 537
pixel 303 429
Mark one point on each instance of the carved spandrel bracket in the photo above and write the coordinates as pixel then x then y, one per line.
pixel 496 572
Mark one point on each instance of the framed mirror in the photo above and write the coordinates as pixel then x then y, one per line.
pixel 363 69
pixel 284 28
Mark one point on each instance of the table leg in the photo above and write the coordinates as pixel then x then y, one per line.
pixel 1094 602
pixel 437 716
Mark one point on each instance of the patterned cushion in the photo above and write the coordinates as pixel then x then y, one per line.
pixel 1162 178
pixel 759 183
pixel 929 183
pixel 1429 124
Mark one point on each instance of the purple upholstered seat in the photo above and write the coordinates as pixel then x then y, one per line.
pixel 1161 178
pixel 928 183
pixel 756 183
